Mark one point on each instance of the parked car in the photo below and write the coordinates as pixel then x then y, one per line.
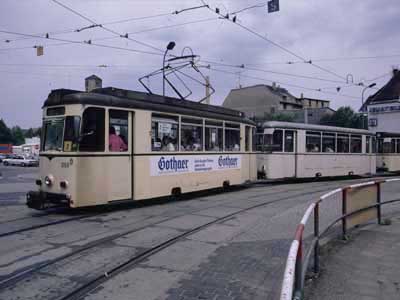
pixel 2 156
pixel 19 160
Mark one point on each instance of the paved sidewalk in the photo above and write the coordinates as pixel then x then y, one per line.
pixel 365 267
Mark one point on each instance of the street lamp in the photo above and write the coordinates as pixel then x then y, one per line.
pixel 362 102
pixel 170 46
pixel 367 87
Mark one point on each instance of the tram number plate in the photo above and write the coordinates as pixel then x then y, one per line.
pixel 66 164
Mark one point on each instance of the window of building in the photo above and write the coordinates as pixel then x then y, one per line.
pixel 343 143
pixel 367 144
pixel 355 144
pixel 232 137
pixel 289 140
pixel 328 142
pixel 313 141
pixel 191 134
pixel 247 138
pixel 118 131
pixel 93 130
pixel 164 133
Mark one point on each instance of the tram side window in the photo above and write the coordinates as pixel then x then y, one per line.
pixel 289 141
pixel 214 136
pixel 93 130
pixel 191 134
pixel 247 138
pixel 232 137
pixel 373 145
pixel 398 145
pixel 118 131
pixel 355 144
pixel 254 139
pixel 380 145
pixel 393 146
pixel 313 141
pixel 367 144
pixel 274 142
pixel 343 143
pixel 164 133
pixel 328 142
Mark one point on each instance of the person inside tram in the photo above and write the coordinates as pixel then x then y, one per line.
pixel 116 144
pixel 167 144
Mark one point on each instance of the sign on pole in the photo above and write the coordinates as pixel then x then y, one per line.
pixel 273 6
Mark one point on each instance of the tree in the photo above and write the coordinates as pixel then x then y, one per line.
pixel 18 135
pixel 29 133
pixel 345 117
pixel 6 136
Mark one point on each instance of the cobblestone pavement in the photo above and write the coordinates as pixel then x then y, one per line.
pixel 364 268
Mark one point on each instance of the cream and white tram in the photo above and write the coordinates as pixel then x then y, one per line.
pixel 388 154
pixel 114 145
pixel 287 150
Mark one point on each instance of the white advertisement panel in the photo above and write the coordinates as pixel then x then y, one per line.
pixel 182 164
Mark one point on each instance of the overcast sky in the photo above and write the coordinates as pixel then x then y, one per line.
pixel 312 29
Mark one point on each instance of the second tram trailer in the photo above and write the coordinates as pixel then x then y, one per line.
pixel 295 150
pixel 113 145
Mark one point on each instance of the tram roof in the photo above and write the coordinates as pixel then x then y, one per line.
pixel 133 99
pixel 290 125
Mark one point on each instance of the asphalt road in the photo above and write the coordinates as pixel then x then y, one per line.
pixel 15 182
pixel 241 257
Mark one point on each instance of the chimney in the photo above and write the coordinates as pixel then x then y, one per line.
pixel 274 85
pixel 92 82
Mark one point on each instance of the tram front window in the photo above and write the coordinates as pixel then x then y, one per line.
pixel 71 133
pixel 53 135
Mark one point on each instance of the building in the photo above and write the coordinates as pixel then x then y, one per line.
pixel 93 82
pixel 383 107
pixel 30 148
pixel 262 102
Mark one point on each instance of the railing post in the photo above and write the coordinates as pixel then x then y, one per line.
pixel 344 212
pixel 299 269
pixel 316 235
pixel 378 200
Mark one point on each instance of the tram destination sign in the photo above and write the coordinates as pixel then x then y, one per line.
pixel 183 164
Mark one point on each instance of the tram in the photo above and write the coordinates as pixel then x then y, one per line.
pixel 112 145
pixel 388 154
pixel 294 150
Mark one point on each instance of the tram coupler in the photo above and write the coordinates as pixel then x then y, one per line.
pixel 43 200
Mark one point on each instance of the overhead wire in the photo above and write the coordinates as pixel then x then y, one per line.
pixel 105 28
pixel 278 82
pixel 275 43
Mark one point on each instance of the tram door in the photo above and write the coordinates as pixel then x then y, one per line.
pixel 120 155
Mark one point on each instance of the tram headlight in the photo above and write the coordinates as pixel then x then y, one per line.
pixel 48 180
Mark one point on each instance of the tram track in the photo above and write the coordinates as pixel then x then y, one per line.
pixel 25 274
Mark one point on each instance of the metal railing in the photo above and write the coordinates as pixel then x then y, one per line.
pixel 296 266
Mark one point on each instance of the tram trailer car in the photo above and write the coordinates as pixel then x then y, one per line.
pixel 113 145
pixel 295 150
pixel 388 154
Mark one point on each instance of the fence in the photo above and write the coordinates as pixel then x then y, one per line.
pixel 360 203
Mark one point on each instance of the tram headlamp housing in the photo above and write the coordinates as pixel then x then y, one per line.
pixel 48 180
pixel 64 184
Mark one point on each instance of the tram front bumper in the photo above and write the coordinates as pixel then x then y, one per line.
pixel 43 200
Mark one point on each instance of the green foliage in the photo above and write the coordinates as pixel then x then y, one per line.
pixel 16 135
pixel 282 117
pixel 345 117
pixel 5 133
